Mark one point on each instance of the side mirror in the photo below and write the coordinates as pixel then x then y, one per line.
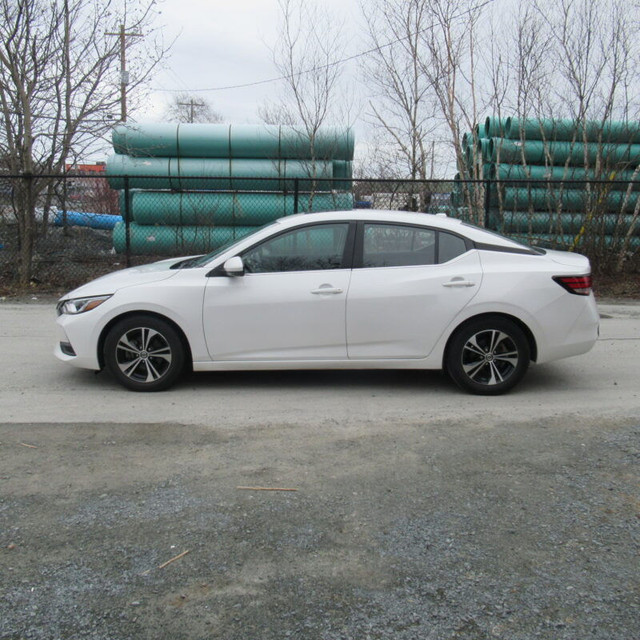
pixel 234 266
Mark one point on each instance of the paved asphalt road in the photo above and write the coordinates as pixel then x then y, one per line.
pixel 34 387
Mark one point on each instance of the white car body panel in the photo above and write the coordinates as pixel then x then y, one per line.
pixel 400 312
pixel 179 299
pixel 277 316
pixel 132 277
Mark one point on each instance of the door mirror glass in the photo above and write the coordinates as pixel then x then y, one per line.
pixel 234 266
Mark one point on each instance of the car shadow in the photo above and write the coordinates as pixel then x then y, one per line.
pixel 389 380
pixel 539 379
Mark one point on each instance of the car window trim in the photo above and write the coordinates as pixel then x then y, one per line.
pixel 500 248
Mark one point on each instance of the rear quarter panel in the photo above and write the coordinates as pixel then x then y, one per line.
pixel 562 324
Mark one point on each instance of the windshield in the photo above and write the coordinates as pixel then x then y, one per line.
pixel 200 261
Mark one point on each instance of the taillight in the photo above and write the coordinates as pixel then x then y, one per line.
pixel 580 285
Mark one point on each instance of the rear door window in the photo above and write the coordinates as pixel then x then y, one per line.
pixel 389 245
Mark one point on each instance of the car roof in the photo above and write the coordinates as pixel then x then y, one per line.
pixel 374 215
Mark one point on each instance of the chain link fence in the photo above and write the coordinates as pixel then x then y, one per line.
pixel 57 232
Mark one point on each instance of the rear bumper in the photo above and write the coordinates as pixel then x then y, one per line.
pixel 577 337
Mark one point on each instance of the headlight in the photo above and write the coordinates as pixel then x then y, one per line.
pixel 80 305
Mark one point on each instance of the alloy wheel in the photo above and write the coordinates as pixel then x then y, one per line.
pixel 143 354
pixel 489 357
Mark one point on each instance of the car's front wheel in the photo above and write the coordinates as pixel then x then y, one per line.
pixel 144 353
pixel 488 356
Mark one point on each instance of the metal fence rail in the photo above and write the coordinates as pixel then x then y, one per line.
pixel 59 231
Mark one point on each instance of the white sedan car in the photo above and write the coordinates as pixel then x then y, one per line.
pixel 340 290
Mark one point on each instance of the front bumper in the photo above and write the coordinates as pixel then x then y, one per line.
pixel 75 344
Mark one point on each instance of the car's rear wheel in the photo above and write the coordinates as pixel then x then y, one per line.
pixel 488 356
pixel 144 353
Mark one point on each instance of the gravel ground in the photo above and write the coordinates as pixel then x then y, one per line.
pixel 445 529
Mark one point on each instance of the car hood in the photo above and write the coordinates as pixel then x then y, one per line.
pixel 569 259
pixel 131 277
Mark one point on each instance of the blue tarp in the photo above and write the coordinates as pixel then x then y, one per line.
pixel 82 219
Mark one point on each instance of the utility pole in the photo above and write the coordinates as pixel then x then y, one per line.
pixel 191 104
pixel 124 74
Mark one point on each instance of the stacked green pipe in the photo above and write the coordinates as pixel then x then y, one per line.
pixel 191 185
pixel 534 173
pixel 608 132
pixel 235 141
pixel 540 223
pixel 566 240
pixel 614 180
pixel 158 240
pixel 215 173
pixel 559 152
pixel 206 208
pixel 565 199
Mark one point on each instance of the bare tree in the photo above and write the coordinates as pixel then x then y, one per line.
pixel 423 67
pixel 185 107
pixel 276 113
pixel 400 108
pixel 530 64
pixel 591 44
pixel 450 40
pixel 308 56
pixel 59 89
pixel 595 74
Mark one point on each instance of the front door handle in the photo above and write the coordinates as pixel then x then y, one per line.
pixel 326 289
pixel 459 282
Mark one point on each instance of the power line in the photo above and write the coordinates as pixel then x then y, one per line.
pixel 324 66
pixel 107 119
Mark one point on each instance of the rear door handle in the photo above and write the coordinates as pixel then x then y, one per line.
pixel 459 283
pixel 326 289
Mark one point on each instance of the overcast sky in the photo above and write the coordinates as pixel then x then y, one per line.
pixel 222 43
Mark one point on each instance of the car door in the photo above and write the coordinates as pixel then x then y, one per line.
pixel 408 284
pixel 290 304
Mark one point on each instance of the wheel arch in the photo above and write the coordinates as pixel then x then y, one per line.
pixel 107 328
pixel 533 347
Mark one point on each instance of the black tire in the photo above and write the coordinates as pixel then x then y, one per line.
pixel 144 353
pixel 488 356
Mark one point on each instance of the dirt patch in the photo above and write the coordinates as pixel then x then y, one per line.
pixel 623 286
